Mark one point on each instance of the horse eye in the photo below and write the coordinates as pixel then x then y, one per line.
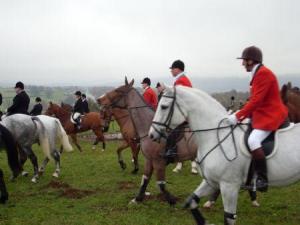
pixel 163 107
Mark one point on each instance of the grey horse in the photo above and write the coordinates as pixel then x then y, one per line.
pixel 42 129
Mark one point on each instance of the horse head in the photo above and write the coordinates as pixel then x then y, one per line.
pixel 168 115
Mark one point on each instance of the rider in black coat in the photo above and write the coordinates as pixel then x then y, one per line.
pixel 37 108
pixel 78 109
pixel 85 104
pixel 20 102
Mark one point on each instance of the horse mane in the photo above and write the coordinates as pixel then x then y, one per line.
pixel 204 95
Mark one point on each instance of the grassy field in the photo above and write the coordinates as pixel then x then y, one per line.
pixel 93 190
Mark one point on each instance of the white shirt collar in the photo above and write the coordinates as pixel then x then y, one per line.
pixel 179 75
pixel 254 69
pixel 146 88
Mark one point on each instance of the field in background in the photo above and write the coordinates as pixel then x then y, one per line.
pixel 93 189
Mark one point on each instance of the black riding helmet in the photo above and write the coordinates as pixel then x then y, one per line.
pixel 252 53
pixel 78 93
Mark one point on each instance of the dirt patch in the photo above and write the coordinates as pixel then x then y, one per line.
pixel 126 185
pixel 68 191
pixel 160 197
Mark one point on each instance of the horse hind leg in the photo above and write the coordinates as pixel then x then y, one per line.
pixel 4 194
pixel 56 157
pixel 34 162
pixel 135 154
pixel 99 137
pixel 22 158
pixel 43 167
pixel 74 139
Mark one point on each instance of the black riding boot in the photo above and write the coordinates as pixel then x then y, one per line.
pixel 260 166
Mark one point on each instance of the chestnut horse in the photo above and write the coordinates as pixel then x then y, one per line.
pixel 131 108
pixel 291 98
pixel 90 121
pixel 122 117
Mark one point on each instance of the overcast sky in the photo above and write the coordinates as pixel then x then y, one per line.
pixel 96 42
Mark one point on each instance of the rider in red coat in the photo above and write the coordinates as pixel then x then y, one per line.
pixel 149 95
pixel 265 108
pixel 177 70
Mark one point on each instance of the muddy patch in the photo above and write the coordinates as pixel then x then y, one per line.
pixel 127 185
pixel 160 197
pixel 68 191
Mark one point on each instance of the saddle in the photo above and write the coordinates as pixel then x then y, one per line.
pixel 269 143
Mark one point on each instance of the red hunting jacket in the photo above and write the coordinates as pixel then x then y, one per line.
pixel 184 81
pixel 265 106
pixel 150 97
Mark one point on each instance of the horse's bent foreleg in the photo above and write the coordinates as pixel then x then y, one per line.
pixel 99 137
pixel 160 169
pixel 4 194
pixel 148 170
pixel 192 202
pixel 123 146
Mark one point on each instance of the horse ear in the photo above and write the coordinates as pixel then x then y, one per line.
pixel 289 85
pixel 126 81
pixel 131 82
pixel 50 103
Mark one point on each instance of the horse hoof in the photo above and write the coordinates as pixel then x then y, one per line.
pixel 176 170
pixel 34 180
pixel 133 202
pixel 194 171
pixel 208 204
pixel 134 171
pixel 25 173
pixel 147 193
pixel 55 174
pixel 94 148
pixel 255 203
pixel 102 150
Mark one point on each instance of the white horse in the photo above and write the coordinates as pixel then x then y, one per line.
pixel 45 130
pixel 222 165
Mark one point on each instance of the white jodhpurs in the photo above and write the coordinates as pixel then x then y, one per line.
pixel 256 138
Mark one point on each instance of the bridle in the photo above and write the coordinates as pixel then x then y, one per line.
pixel 168 120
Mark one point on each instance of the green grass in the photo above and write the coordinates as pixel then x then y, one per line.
pixel 112 189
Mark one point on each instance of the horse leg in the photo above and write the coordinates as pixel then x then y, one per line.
pixel 160 168
pixel 204 189
pixel 34 162
pixel 74 139
pixel 4 194
pixel 230 197
pixel 43 167
pixel 120 157
pixel 135 154
pixel 99 137
pixel 253 198
pixel 56 157
pixel 212 200
pixel 194 169
pixel 23 158
pixel 148 170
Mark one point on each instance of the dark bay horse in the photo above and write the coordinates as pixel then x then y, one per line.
pixel 8 142
pixel 139 116
pixel 90 121
pixel 291 98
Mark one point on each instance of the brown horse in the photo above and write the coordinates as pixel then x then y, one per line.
pixel 132 111
pixel 90 121
pixel 122 117
pixel 291 98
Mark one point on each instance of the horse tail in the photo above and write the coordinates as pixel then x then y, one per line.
pixel 63 137
pixel 11 150
pixel 43 137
